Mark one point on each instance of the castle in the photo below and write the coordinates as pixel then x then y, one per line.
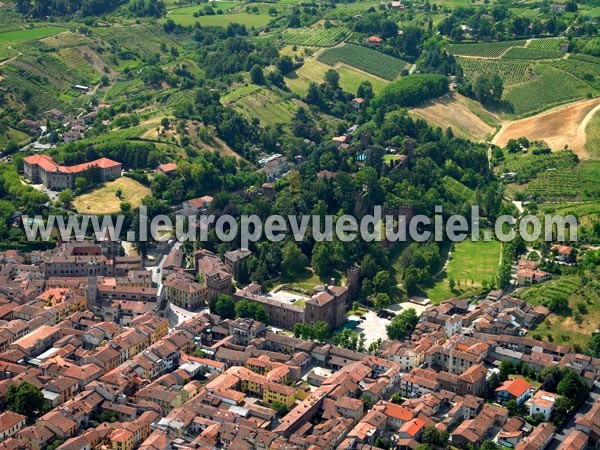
pixel 43 169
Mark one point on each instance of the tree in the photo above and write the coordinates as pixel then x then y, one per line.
pixel 402 326
pixel 506 369
pixel 381 282
pixel 322 259
pixel 313 96
pixel 572 386
pixel 382 300
pixel 293 261
pixel 397 398
pixel 365 91
pixel 285 64
pixel 25 399
pixel 11 147
pixel 332 78
pixel 257 75
pixel 489 445
pixel 367 402
pixel 223 306
pixel 571 6
pixel 594 345
pixel 281 408
pixel 492 384
pixel 65 197
pixel 488 89
pixel 431 436
pixel 321 331
pixel 562 409
pixel 81 184
pixel 513 407
pixel 251 310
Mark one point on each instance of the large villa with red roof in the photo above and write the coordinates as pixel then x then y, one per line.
pixel 43 169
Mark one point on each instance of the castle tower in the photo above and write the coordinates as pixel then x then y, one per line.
pixel 92 288
pixel 353 282
pixel 409 147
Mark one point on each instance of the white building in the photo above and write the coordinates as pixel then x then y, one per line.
pixel 542 403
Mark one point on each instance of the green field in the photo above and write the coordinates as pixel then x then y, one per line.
pixel 471 264
pixel 222 20
pixel 511 72
pixel 485 50
pixel 314 71
pixel 592 135
pixel 264 104
pixel 10 39
pixel 364 58
pixel 190 10
pixel 543 92
pixel 531 53
pixel 17 37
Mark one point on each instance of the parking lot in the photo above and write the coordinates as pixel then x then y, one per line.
pixel 41 188
pixel 292 298
pixel 373 326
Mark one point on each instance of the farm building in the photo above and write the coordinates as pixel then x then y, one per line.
pixel 374 40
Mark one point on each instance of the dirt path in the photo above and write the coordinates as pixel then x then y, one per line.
pixel 560 126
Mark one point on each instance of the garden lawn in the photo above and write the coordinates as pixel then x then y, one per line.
pixel 103 200
pixel 470 265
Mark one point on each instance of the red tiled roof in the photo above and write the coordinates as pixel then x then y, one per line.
pixel 49 165
pixel 169 167
pixel 413 427
pixel 44 161
pixel 9 419
pixel 516 387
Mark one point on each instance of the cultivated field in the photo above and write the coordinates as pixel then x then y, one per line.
pixel 448 112
pixel 103 200
pixel 314 36
pixel 483 50
pixel 265 105
pixel 313 70
pixel 592 136
pixel 549 87
pixel 577 324
pixel 458 190
pixel 555 177
pixel 564 125
pixel 531 53
pixel 364 58
pixel 546 44
pixel 511 72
